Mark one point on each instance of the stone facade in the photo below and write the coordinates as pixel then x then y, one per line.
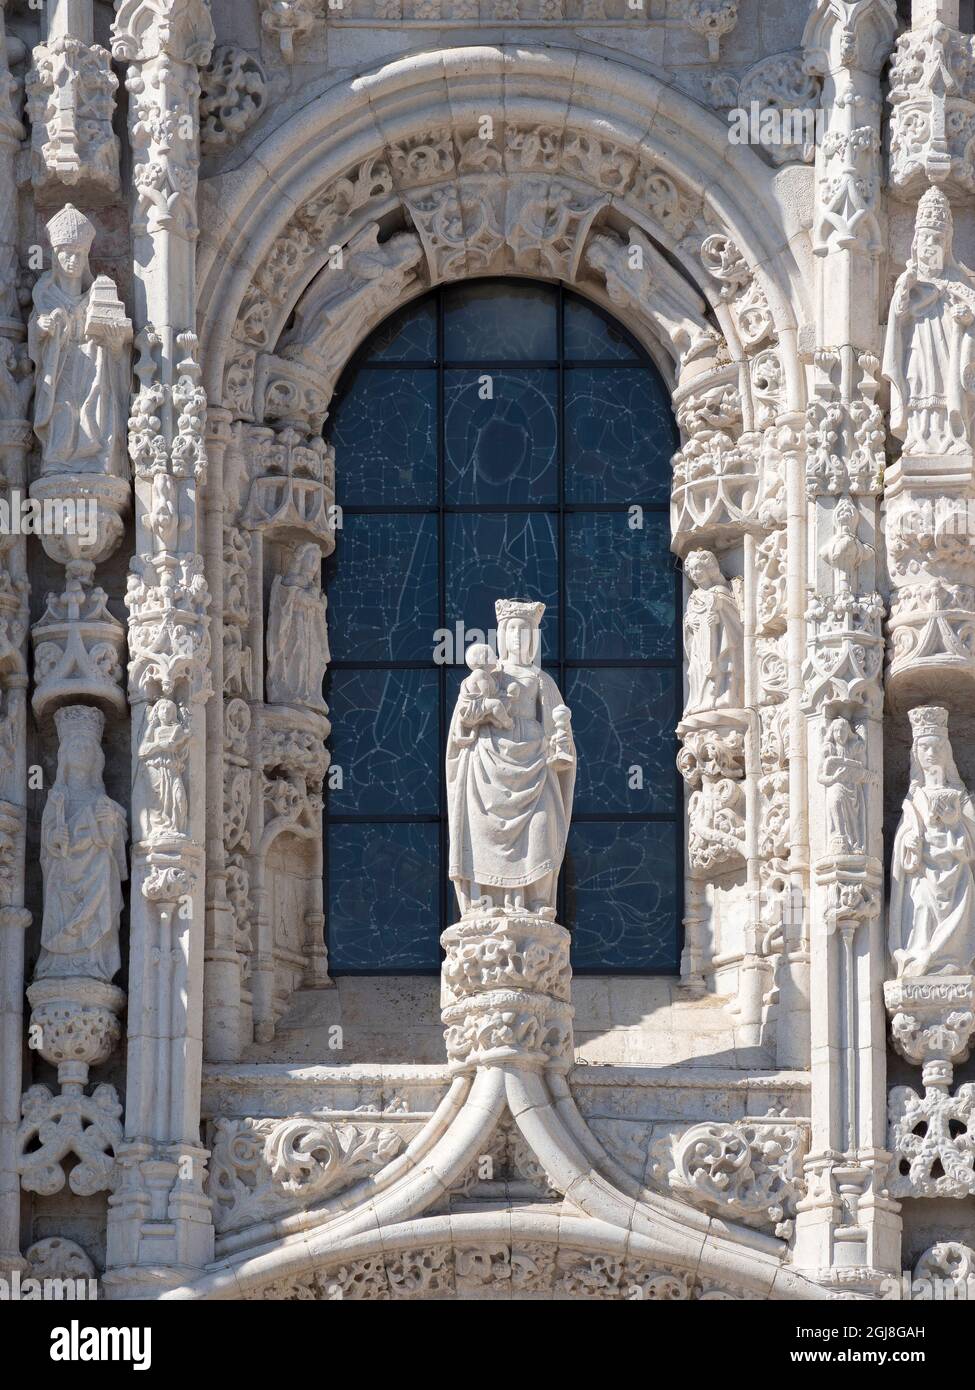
pixel 182 288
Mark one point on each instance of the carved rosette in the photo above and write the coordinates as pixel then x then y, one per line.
pixel 505 992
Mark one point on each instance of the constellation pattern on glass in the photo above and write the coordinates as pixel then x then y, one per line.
pixel 494 438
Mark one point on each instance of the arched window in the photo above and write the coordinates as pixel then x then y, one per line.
pixel 502 439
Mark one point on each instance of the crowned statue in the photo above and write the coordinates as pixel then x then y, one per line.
pixel 510 773
pixel 932 892
pixel 79 340
pixel 930 345
pixel 82 856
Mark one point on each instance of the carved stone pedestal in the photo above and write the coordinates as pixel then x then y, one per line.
pixel 505 991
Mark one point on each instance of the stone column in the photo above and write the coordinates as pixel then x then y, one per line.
pixel 848 1228
pixel 15 391
pixel 159 1221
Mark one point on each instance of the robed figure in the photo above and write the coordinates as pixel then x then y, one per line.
pixel 297 633
pixel 714 639
pixel 932 894
pixel 510 775
pixel 930 346
pixel 78 339
pixel 82 857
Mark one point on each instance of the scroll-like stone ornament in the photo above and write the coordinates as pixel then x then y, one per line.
pixel 82 857
pixel 510 778
pixel 79 339
pixel 713 638
pixel 930 348
pixel 932 899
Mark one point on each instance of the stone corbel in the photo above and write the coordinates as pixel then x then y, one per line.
pixel 712 20
pixel 288 21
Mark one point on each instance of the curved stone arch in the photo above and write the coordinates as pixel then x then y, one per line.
pixel 402 148
pixel 508 1252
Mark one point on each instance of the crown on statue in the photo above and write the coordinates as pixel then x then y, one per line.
pixel 70 228
pixel 934 211
pixel 519 608
pixel 79 719
pixel 928 720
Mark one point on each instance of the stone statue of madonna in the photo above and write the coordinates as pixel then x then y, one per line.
pixel 510 774
pixel 932 891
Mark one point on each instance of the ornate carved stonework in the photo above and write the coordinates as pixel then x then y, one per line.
pixel 263 1167
pixel 70 102
pixel 232 99
pixel 750 1170
pixel 933 99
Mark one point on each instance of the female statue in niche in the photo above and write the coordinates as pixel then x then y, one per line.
pixel 843 773
pixel 713 638
pixel 82 856
pixel 297 633
pixel 78 339
pixel 163 753
pixel 930 346
pixel 932 891
pixel 510 777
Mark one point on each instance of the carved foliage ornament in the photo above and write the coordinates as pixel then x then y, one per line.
pixel 262 1167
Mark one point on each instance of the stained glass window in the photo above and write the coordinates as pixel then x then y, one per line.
pixel 502 439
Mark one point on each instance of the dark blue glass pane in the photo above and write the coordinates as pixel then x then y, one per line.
pixel 385 742
pixel 621 590
pixel 382 589
pixel 619 435
pixel 502 556
pixel 590 334
pixel 624 721
pixel 505 448
pixel 622 895
pixel 409 336
pixel 384 428
pixel 492 322
pixel 383 884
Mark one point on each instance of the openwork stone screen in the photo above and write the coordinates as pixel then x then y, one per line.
pixel 502 436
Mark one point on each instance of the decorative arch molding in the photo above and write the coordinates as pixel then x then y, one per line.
pixel 543 163
pixel 481 184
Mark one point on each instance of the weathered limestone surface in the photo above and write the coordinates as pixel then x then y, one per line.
pixel 177 305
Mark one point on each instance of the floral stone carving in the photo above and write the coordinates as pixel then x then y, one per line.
pixel 261 1167
pixel 750 1170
